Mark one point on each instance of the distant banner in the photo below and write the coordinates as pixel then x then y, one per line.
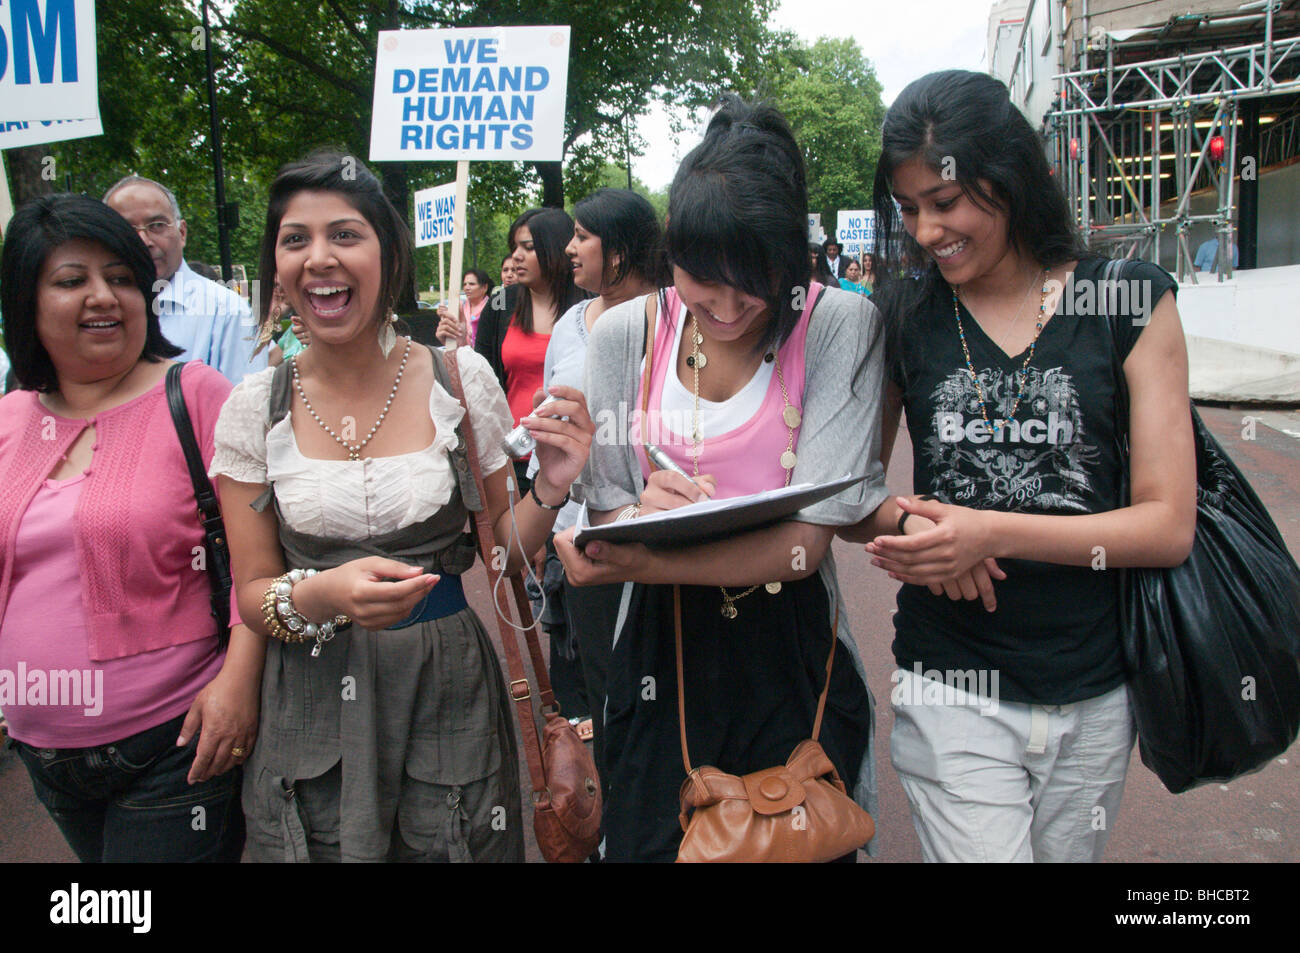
pixel 857 233
pixel 48 68
pixel 34 133
pixel 495 94
pixel 815 233
pixel 435 211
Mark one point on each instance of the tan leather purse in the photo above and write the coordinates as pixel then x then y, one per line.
pixel 798 812
pixel 566 788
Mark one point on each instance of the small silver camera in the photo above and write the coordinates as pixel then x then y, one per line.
pixel 519 443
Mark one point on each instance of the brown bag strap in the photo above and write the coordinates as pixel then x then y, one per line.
pixel 681 681
pixel 520 691
pixel 651 312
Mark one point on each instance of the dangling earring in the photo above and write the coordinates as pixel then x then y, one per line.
pixel 387 334
pixel 271 326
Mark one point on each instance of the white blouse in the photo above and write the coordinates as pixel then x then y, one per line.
pixel 354 499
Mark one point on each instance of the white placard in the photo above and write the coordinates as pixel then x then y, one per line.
pixel 48 66
pixel 856 232
pixel 34 133
pixel 435 211
pixel 815 233
pixel 494 93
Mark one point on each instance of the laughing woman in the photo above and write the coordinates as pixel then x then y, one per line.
pixel 386 732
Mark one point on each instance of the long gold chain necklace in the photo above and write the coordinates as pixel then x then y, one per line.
pixel 789 415
pixel 1021 376
pixel 354 453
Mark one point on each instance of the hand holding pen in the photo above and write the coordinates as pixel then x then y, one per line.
pixel 670 486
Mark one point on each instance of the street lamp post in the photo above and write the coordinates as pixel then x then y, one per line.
pixel 224 225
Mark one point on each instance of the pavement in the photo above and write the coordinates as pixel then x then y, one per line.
pixel 1255 818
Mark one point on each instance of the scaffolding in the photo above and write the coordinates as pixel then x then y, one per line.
pixel 1118 130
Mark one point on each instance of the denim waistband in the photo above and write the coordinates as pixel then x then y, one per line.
pixel 444 599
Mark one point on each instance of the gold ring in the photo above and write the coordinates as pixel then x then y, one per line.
pixel 238 752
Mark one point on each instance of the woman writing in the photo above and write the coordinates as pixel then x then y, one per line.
pixel 1009 393
pixel 386 732
pixel 98 543
pixel 757 379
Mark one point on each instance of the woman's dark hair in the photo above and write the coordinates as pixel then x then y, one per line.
pixel 628 227
pixel 329 170
pixel 821 266
pixel 737 212
pixel 481 276
pixel 964 125
pixel 551 229
pixel 36 230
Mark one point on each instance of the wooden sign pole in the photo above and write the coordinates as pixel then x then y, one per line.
pixel 458 233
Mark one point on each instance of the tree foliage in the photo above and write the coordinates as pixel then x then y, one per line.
pixel 296 74
pixel 831 96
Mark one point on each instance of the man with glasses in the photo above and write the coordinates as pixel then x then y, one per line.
pixel 211 322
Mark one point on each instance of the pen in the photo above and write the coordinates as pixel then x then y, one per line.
pixel 662 460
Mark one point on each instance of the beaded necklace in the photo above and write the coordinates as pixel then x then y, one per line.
pixel 354 453
pixel 1020 376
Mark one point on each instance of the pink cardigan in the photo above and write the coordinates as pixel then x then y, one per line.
pixel 137 522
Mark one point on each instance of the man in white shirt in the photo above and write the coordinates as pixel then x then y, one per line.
pixel 832 249
pixel 211 322
pixel 4 369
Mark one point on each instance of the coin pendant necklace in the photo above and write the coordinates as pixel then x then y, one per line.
pixel 354 452
pixel 790 416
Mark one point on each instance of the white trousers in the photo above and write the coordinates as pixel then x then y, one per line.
pixel 1000 781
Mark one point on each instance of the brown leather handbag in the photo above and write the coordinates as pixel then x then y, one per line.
pixel 798 812
pixel 566 788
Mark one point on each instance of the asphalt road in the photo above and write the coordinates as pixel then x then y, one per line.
pixel 1256 818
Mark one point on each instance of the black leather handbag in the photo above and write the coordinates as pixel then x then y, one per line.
pixel 214 528
pixel 1212 646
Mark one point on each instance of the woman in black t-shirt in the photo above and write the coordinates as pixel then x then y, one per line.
pixel 1012 730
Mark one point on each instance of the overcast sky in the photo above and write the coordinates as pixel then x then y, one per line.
pixel 904 39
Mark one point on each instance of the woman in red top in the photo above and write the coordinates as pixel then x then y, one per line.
pixel 515 342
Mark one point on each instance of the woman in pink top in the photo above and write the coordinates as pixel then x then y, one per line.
pixel 758 378
pixel 126 711
pixel 474 291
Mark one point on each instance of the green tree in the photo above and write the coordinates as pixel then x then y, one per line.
pixel 831 96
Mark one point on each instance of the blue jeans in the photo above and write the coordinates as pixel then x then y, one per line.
pixel 129 801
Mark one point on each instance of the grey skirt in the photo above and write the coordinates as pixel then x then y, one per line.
pixel 392 745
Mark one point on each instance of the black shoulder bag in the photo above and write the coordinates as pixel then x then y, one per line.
pixel 214 528
pixel 1212 647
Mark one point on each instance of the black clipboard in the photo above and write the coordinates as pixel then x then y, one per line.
pixel 712 519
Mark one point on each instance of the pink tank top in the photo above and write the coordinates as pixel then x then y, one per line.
pixel 52 693
pixel 746 459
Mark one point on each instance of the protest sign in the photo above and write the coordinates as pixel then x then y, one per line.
pixel 435 213
pixel 815 233
pixel 857 233
pixel 48 67
pixel 482 94
pixel 34 133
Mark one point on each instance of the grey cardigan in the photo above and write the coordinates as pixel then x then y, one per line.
pixel 842 404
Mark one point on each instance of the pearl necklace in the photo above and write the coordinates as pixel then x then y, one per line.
pixel 354 453
pixel 789 415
